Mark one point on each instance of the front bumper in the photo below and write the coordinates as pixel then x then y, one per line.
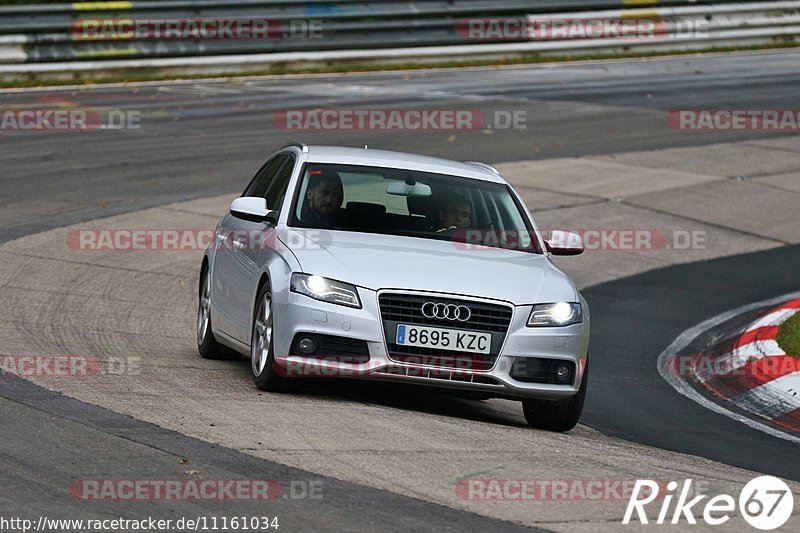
pixel 305 315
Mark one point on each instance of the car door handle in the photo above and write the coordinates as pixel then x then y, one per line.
pixel 221 237
pixel 238 245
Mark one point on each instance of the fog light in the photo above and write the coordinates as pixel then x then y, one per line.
pixel 563 373
pixel 307 345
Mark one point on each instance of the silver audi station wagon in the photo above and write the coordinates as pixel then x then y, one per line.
pixel 360 263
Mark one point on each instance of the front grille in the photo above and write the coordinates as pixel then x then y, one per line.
pixel 407 309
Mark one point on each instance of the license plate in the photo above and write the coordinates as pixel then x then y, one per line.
pixel 443 339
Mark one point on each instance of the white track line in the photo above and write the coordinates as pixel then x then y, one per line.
pixel 686 338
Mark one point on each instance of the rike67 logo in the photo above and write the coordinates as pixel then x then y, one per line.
pixel 765 503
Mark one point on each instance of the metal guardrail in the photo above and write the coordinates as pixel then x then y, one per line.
pixel 47 33
pixel 31 19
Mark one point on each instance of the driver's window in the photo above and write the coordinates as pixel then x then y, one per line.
pixel 277 188
pixel 263 179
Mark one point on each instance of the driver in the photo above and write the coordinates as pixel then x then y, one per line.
pixel 323 198
pixel 456 213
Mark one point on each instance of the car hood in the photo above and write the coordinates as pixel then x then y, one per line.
pixel 393 262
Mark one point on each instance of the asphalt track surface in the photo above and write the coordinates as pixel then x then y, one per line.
pixel 49 440
pixel 635 318
pixel 202 139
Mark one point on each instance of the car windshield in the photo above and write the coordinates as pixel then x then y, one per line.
pixel 413 204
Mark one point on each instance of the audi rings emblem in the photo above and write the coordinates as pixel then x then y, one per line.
pixel 460 313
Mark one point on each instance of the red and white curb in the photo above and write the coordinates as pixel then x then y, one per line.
pixel 752 373
pixel 760 377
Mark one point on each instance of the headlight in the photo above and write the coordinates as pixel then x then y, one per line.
pixel 556 314
pixel 326 290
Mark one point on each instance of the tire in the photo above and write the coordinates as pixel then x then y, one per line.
pixel 262 349
pixel 207 345
pixel 557 416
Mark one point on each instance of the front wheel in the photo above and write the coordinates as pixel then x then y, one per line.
pixel 207 344
pixel 262 348
pixel 557 416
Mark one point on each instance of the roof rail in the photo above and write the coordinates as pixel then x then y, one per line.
pixel 484 166
pixel 302 146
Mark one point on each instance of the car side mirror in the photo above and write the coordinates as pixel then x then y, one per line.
pixel 564 243
pixel 253 209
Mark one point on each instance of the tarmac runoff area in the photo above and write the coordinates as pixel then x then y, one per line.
pixel 135 313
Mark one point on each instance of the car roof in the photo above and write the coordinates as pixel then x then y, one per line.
pixel 383 158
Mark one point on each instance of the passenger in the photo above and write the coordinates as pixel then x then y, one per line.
pixel 456 213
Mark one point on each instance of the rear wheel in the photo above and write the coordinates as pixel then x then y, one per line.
pixel 262 349
pixel 557 416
